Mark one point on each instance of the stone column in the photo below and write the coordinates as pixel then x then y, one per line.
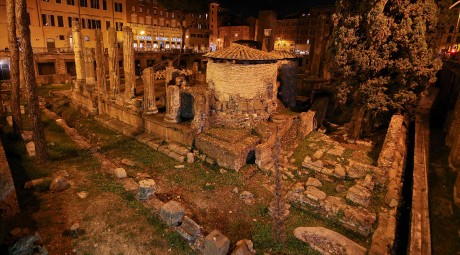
pixel 128 63
pixel 169 71
pixel 172 104
pixel 78 48
pixel 148 76
pixel 114 70
pixel 100 63
pixel 89 66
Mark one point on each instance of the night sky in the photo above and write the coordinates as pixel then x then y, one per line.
pixel 247 8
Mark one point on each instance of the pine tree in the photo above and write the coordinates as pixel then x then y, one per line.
pixel 381 55
pixel 14 67
pixel 22 22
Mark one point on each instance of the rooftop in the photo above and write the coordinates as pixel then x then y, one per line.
pixel 241 52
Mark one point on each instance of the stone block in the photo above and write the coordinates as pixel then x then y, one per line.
pixel 26 135
pixel 30 146
pixel 9 120
pixel 189 229
pixel 59 184
pixel 315 193
pixel 244 247
pixel 327 241
pixel 120 173
pixel 128 162
pixel 359 195
pixel 130 185
pixel 313 182
pixel 216 244
pixel 172 213
pixel 190 158
pixel 146 188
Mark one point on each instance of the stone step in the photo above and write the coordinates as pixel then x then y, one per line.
pixel 118 126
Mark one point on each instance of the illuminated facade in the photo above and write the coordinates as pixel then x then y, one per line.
pixel 230 34
pixel 51 21
pixel 156 28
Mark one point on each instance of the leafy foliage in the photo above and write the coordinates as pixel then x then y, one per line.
pixel 381 54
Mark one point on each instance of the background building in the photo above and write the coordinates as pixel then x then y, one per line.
pixel 51 21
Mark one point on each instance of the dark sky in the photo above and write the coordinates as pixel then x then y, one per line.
pixel 251 7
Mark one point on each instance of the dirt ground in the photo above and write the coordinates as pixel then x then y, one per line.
pixel 112 221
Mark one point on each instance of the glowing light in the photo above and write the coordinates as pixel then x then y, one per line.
pixel 186 36
pixel 142 32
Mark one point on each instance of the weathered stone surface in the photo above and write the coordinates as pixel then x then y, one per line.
pixel 313 182
pixel 318 154
pixel 28 244
pixel 316 165
pixel 216 244
pixel 190 158
pixel 384 236
pixel 59 184
pixel 247 197
pixel 327 241
pixel 339 171
pixel 128 162
pixel 244 247
pixel 336 151
pixel 34 183
pixel 26 135
pixel 172 212
pixel 30 147
pixel 189 229
pixel 119 173
pixel 130 185
pixel 82 194
pixel 315 193
pixel 359 194
pixel 146 188
pixel 359 170
pixel 9 120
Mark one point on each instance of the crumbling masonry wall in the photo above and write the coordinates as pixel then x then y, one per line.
pixel 391 164
pixel 242 104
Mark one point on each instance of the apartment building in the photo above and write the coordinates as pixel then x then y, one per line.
pixel 51 21
pixel 155 27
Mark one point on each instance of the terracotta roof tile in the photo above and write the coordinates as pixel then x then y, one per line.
pixel 283 54
pixel 241 52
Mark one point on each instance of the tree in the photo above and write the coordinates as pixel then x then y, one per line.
pixel 183 9
pixel 381 56
pixel 14 67
pixel 22 23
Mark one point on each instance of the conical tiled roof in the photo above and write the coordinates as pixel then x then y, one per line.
pixel 283 54
pixel 241 52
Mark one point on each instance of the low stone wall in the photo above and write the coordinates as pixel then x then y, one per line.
pixel 9 206
pixel 168 131
pixel 123 114
pixel 228 147
pixel 391 164
pixel 420 237
pixel 453 136
pixel 84 103
pixel 290 131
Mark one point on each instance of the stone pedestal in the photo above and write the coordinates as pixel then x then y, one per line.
pixel 168 72
pixel 148 76
pixel 216 244
pixel 172 104
pixel 128 63
pixel 114 70
pixel 172 213
pixel 146 189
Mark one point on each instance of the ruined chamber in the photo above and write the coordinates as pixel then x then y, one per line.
pixel 244 84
